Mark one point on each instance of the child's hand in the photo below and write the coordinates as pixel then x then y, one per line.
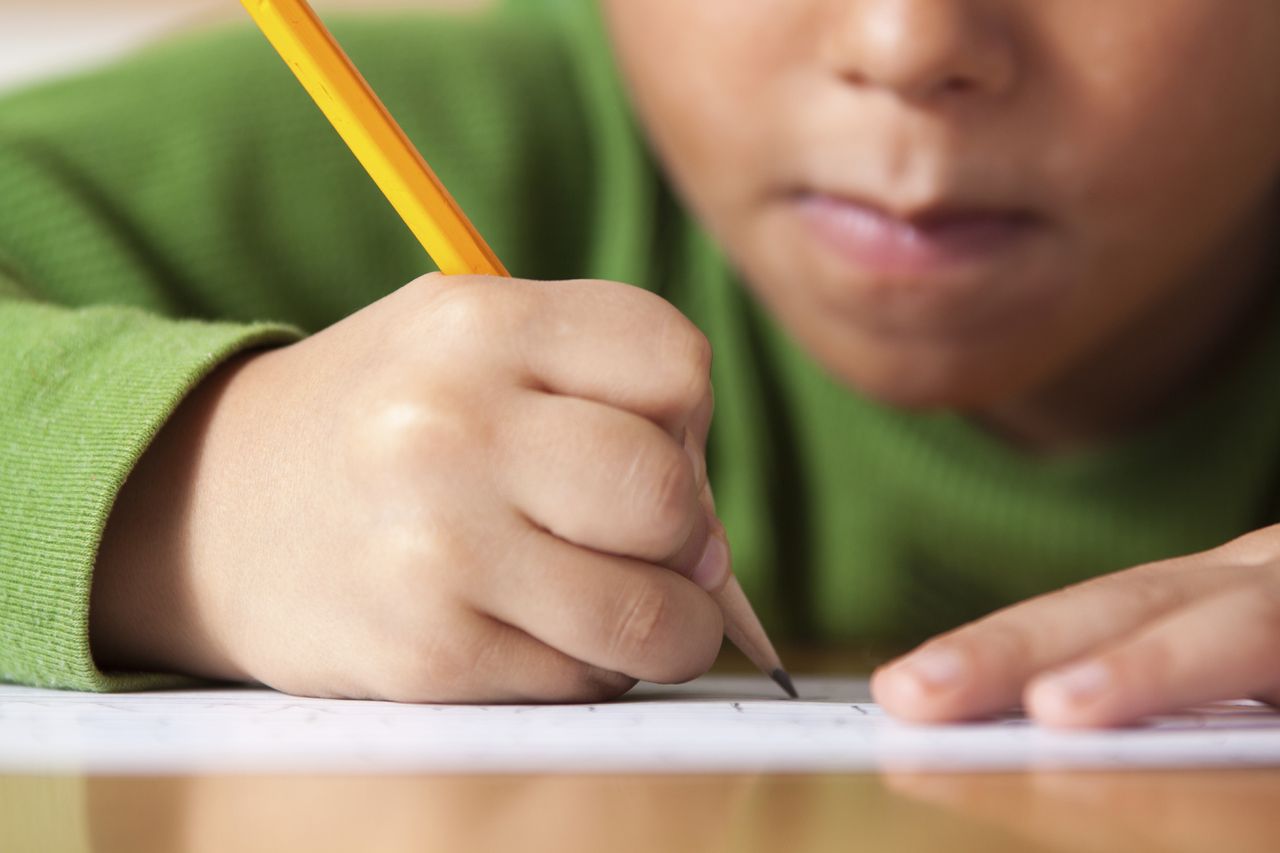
pixel 472 490
pixel 1153 639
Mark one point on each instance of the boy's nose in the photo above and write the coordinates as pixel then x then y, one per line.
pixel 922 50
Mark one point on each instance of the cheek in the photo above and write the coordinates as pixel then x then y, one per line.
pixel 1165 138
pixel 699 92
pixel 1146 140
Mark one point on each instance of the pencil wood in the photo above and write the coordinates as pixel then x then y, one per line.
pixel 374 137
pixel 743 628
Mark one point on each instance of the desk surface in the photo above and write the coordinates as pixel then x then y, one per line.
pixel 1093 812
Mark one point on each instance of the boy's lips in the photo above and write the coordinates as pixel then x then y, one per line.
pixel 930 242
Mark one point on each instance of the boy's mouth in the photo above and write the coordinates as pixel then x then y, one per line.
pixel 928 242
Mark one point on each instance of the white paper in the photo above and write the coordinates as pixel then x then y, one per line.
pixel 714 724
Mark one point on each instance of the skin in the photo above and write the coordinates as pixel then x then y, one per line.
pixel 473 490
pixel 552 561
pixel 1102 120
pixel 1063 108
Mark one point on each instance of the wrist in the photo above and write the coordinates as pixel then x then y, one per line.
pixel 145 611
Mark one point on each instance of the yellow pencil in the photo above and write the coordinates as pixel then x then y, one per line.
pixel 395 165
pixel 378 142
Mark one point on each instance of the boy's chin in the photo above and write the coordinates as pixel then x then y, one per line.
pixel 934 382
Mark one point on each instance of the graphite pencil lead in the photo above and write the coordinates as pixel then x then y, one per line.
pixel 784 681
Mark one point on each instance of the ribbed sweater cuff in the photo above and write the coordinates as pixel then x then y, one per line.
pixel 92 389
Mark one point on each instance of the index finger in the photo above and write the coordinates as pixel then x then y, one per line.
pixel 599 340
pixel 625 347
pixel 982 668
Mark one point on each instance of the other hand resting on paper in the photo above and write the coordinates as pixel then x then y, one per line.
pixel 1112 650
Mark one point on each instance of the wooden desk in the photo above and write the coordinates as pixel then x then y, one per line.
pixel 1237 811
pixel 1056 812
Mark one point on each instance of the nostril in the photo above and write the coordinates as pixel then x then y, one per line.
pixel 946 87
pixel 957 86
pixel 920 50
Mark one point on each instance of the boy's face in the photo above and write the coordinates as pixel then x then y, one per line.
pixel 955 202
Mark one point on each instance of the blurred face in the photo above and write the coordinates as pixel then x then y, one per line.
pixel 957 202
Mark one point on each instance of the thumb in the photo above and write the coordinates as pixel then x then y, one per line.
pixel 715 562
pixel 705 558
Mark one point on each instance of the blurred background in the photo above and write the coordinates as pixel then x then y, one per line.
pixel 42 38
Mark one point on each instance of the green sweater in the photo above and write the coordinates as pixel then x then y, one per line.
pixel 191 203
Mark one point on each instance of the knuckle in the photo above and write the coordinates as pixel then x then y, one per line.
pixel 394 425
pixel 428 285
pixel 402 428
pixel 420 555
pixel 663 484
pixel 419 294
pixel 1257 549
pixel 468 310
pixel 687 354
pixel 1011 644
pixel 1146 590
pixel 462 310
pixel 416 590
pixel 642 623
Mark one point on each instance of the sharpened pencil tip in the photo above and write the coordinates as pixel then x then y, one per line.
pixel 784 681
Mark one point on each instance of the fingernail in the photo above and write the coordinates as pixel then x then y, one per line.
pixel 713 567
pixel 1077 684
pixel 935 668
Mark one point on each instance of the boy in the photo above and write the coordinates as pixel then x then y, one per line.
pixel 1015 328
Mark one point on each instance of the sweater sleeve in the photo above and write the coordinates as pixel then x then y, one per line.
pixel 83 390
pixel 161 215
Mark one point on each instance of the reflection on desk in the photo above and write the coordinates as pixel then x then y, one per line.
pixel 1097 812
